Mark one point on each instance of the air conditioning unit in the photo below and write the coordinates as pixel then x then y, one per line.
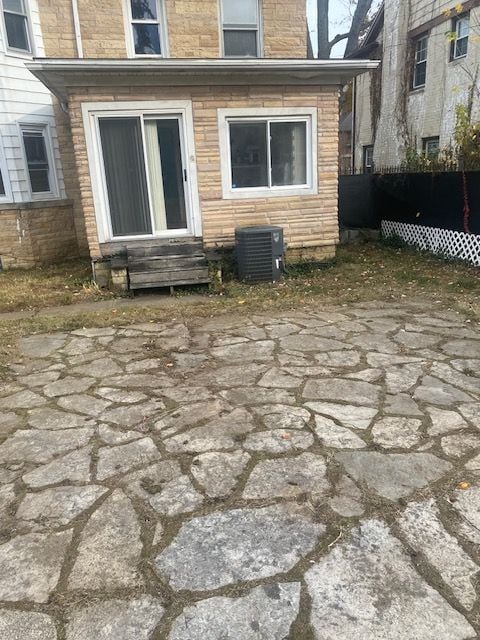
pixel 259 252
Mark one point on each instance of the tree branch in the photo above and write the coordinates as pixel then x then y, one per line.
pixel 338 38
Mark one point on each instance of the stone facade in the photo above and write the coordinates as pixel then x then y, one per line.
pixel 36 233
pixel 308 220
pixel 193 28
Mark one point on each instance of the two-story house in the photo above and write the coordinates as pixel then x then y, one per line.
pixel 180 120
pixel 430 63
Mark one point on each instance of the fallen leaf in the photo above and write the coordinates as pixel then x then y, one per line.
pixel 463 486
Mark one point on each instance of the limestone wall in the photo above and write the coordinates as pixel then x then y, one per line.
pixel 35 233
pixel 309 220
pixel 193 28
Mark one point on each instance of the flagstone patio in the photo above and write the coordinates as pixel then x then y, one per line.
pixel 306 475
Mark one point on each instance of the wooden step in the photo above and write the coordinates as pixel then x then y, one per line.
pixel 192 248
pixel 150 279
pixel 167 264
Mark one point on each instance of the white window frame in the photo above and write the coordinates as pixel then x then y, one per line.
pixel 19 53
pixel 457 21
pixel 368 163
pixel 418 62
pixel 427 143
pixel 91 112
pixel 161 23
pixel 231 27
pixel 8 195
pixel 283 114
pixel 45 129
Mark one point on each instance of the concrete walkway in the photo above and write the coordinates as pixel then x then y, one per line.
pixel 292 476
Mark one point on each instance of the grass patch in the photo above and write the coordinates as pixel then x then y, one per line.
pixel 370 272
pixel 49 286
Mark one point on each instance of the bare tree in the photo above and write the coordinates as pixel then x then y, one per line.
pixel 359 19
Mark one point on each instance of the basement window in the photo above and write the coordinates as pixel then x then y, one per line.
pixel 15 18
pixel 241 28
pixel 420 68
pixel 461 29
pixel 147 22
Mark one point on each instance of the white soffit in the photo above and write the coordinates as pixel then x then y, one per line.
pixel 59 75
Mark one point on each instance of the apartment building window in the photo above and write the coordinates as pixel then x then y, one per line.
pixel 420 69
pixel 461 29
pixel 147 24
pixel 368 158
pixel 15 18
pixel 39 160
pixel 241 28
pixel 431 147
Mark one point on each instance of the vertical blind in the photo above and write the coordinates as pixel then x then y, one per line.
pixel 125 176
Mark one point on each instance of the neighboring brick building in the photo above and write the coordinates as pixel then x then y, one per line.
pixel 188 118
pixel 430 63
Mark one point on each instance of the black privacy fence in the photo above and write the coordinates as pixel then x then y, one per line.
pixel 446 200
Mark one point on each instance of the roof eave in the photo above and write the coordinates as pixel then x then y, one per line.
pixel 59 76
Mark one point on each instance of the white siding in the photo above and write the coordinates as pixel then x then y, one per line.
pixel 23 99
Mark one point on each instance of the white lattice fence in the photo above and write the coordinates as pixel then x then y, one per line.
pixel 464 246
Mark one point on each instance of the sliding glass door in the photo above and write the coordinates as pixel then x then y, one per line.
pixel 145 175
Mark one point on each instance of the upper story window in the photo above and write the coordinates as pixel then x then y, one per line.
pixel 461 30
pixel 38 156
pixel 147 27
pixel 15 17
pixel 420 69
pixel 241 28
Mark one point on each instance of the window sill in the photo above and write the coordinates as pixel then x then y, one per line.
pixel 251 194
pixel 458 59
pixel 22 55
pixel 45 197
pixel 414 90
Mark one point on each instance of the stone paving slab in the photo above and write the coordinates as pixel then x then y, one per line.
pixel 304 475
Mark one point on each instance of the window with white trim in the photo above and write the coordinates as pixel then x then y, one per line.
pixel 368 166
pixel 420 68
pixel 147 27
pixel 38 156
pixel 431 147
pixel 461 29
pixel 267 156
pixel 15 19
pixel 241 28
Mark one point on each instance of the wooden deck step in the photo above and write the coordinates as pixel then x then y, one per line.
pixel 167 265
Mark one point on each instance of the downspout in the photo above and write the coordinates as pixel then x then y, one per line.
pixel 76 26
pixel 354 122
